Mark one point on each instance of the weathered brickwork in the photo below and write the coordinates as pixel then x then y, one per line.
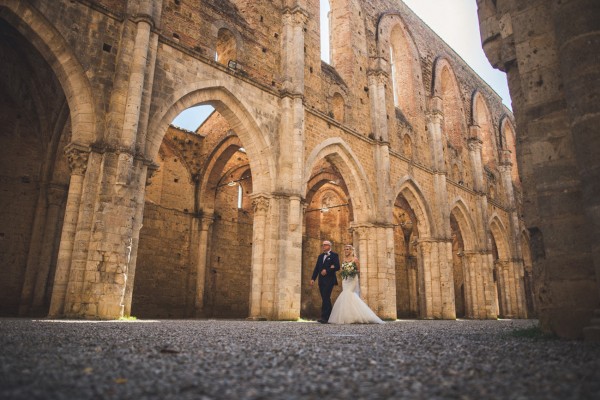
pixel 396 147
pixel 549 51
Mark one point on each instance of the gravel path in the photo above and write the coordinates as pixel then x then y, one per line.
pixel 207 359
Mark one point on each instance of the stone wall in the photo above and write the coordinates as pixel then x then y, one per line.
pixel 152 222
pixel 548 52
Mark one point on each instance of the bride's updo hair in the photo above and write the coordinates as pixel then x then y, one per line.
pixel 349 246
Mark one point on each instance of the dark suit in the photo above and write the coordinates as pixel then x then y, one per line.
pixel 330 264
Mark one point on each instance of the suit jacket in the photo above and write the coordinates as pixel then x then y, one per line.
pixel 331 260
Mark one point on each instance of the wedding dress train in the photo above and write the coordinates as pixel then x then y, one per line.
pixel 349 307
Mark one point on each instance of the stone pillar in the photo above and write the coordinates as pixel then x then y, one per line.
pixel 143 182
pixel 438 298
pixel 98 279
pixel 260 205
pixel 479 260
pixel 204 229
pixel 381 150
pixel 77 157
pixel 289 261
pixel 55 199
pixel 377 268
pixel 437 285
pixel 517 270
pixel 552 71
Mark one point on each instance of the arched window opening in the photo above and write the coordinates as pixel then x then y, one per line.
pixel 481 117
pixel 454 125
pixel 403 73
pixel 240 197
pixel 394 77
pixel 226 47
pixel 325 25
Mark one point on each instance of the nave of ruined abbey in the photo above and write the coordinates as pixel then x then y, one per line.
pixel 107 209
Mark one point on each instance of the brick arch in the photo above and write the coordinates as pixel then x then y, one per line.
pixel 218 26
pixel 446 87
pixel 63 62
pixel 338 153
pixel 321 179
pixel 413 194
pixel 482 118
pixel 465 222
pixel 213 171
pixel 498 231
pixel 407 81
pixel 231 107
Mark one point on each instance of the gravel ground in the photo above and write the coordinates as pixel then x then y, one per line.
pixel 207 359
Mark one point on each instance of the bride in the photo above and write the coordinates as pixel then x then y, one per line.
pixel 349 307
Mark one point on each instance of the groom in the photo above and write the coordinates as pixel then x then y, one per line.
pixel 327 265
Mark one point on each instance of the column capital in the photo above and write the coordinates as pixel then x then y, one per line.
pixel 260 203
pixel 77 157
pixel 475 144
pixel 297 16
pixel 377 76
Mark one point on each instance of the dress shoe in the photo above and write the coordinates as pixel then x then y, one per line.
pixel 322 321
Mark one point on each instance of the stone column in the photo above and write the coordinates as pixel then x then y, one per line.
pixel 143 182
pixel 204 233
pixel 77 157
pixel 517 270
pixel 260 205
pixel 377 268
pixel 438 300
pixel 479 260
pixel 289 262
pixel 56 197
pixel 381 150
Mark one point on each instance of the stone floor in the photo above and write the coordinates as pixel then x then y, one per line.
pixel 208 359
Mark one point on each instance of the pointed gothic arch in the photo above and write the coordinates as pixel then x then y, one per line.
pixel 68 70
pixel 413 193
pixel 396 44
pixel 498 232
pixel 222 96
pixel 461 212
pixel 446 87
pixel 337 152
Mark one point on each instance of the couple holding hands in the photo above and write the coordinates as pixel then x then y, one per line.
pixel 349 307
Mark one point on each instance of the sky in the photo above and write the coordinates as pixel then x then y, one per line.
pixel 455 21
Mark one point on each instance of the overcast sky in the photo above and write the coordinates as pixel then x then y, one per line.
pixel 455 21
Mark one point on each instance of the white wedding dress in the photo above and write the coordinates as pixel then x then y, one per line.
pixel 349 307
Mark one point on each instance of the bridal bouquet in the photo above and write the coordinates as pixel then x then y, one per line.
pixel 348 270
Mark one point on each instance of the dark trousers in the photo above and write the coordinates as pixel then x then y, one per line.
pixel 326 297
